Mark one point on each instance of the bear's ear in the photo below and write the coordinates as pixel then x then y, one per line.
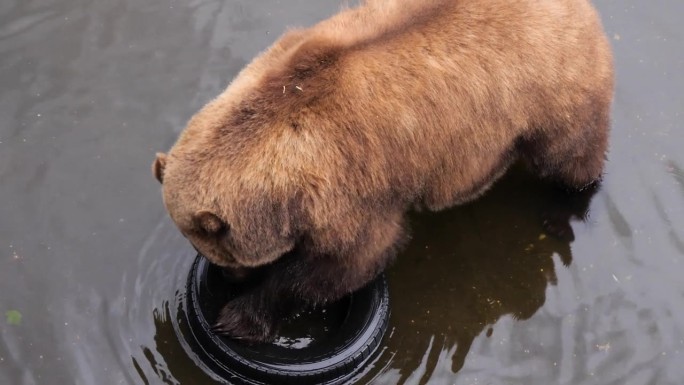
pixel 158 167
pixel 209 222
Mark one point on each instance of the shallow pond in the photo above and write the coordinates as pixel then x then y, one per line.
pixel 91 267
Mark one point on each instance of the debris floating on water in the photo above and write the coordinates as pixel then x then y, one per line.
pixel 13 317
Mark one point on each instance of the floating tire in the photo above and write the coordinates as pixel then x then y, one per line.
pixel 354 328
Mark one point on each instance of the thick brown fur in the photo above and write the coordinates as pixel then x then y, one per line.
pixel 320 146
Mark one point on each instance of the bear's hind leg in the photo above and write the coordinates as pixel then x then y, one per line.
pixel 573 152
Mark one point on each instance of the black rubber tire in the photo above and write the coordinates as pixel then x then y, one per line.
pixel 233 363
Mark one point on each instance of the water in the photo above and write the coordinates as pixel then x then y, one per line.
pixel 89 259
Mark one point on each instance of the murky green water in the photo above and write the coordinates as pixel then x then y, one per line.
pixel 92 265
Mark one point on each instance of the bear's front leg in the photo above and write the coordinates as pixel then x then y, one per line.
pixel 306 278
pixel 250 317
pixel 290 286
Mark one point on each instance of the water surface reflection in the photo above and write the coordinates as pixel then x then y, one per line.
pixel 91 90
pixel 468 267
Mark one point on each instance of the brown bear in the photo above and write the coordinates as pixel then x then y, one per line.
pixel 308 162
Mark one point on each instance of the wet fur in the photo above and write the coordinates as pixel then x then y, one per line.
pixel 310 159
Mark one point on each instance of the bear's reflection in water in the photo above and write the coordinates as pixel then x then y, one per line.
pixel 467 267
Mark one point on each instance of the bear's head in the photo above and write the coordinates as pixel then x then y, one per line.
pixel 279 159
pixel 233 221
